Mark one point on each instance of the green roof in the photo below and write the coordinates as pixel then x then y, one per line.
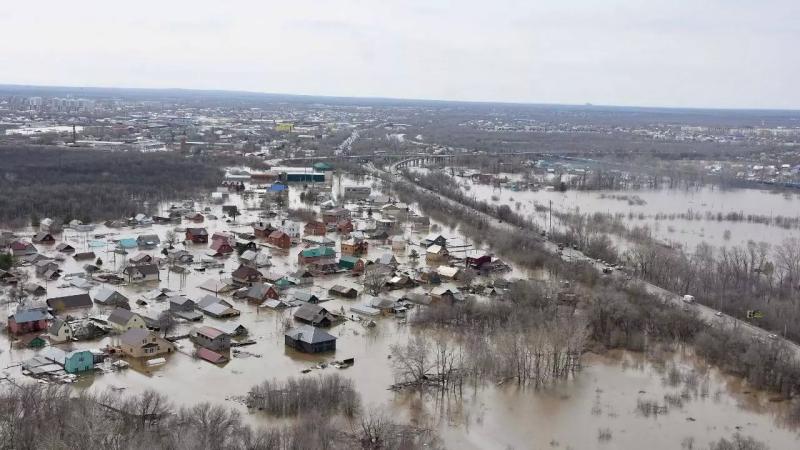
pixel 322 166
pixel 318 252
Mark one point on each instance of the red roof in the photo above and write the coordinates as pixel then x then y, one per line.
pixel 211 356
pixel 210 332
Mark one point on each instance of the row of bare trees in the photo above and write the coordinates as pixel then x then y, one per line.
pixel 329 394
pixel 35 416
pixel 733 279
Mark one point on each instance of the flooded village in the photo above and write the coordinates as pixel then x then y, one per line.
pixel 305 272
pixel 202 273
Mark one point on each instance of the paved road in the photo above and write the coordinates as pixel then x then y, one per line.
pixel 707 314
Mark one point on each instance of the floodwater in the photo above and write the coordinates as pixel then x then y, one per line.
pixel 604 397
pixel 568 415
pixel 663 202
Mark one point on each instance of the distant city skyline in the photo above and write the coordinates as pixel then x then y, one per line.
pixel 712 54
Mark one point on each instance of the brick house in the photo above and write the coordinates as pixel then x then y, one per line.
pixel 280 239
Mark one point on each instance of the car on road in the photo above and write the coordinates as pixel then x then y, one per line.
pixel 773 336
pixel 718 313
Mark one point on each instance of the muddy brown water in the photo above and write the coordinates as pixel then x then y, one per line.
pixel 687 233
pixel 568 415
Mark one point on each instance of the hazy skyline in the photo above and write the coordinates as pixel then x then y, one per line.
pixel 723 54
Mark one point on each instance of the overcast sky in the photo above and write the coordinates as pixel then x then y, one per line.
pixel 702 53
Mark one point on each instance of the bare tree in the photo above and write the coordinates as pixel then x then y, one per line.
pixel 375 278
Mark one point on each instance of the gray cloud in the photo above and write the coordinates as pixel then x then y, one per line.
pixel 731 53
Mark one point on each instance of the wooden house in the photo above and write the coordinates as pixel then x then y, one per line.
pixel 142 273
pixel 335 215
pixel 280 239
pixel 43 237
pixel 314 315
pixel 59 331
pixel 355 247
pixel 262 229
pixel 142 343
pixel 246 275
pixel 260 292
pixel 310 339
pixel 212 338
pixel 436 253
pixel 221 247
pixel 315 254
pixel 352 263
pixel 315 228
pixel 197 235
pixel 122 320
pixel 341 291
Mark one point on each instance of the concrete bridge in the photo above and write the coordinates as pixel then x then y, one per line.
pixel 422 160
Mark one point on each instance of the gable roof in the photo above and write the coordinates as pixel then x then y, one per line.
pixel 210 332
pixel 70 301
pixel 318 252
pixel 310 334
pixel 305 296
pixel 105 293
pixel 259 290
pixel 210 356
pixel 120 316
pixel 245 272
pixel 55 326
pixel 210 300
pixel 135 336
pixel 311 313
pixel 33 314
pixel 144 269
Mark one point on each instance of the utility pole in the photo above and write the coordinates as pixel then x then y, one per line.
pixel 551 221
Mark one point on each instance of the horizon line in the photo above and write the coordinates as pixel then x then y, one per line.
pixel 398 99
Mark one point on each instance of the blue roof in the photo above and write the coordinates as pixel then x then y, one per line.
pixel 278 187
pixel 31 315
pixel 128 243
